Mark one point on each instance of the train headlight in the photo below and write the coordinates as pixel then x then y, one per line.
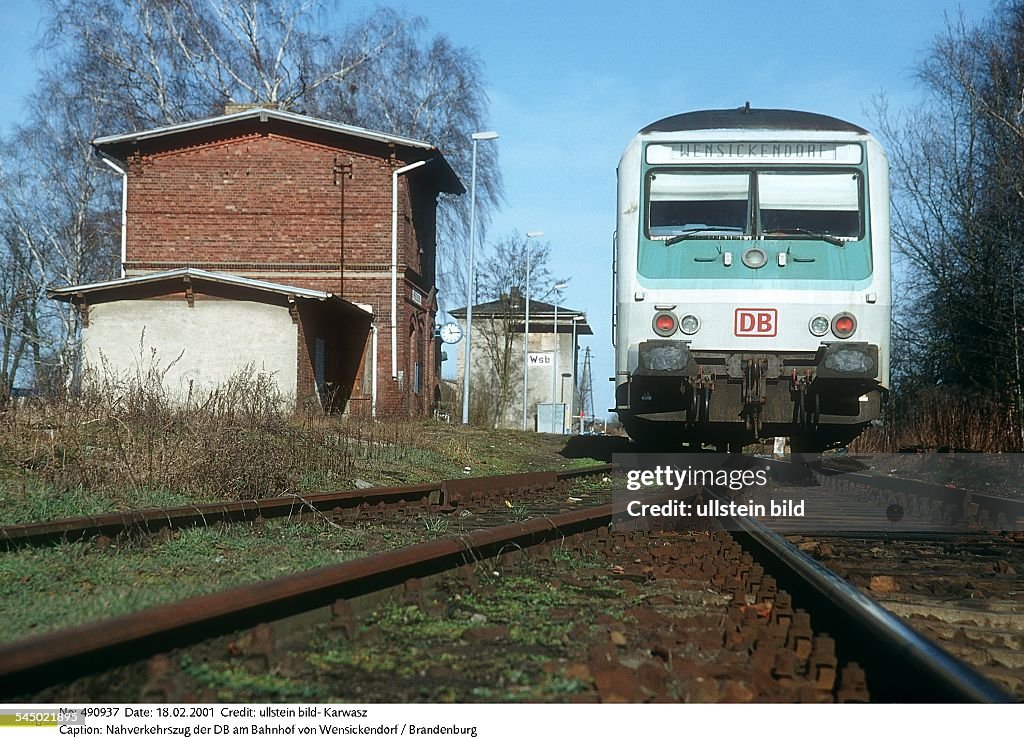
pixel 665 323
pixel 689 324
pixel 850 361
pixel 844 325
pixel 754 258
pixel 818 325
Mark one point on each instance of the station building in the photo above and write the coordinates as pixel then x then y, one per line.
pixel 552 350
pixel 280 242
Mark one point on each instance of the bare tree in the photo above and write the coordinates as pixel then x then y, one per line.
pixel 503 283
pixel 433 92
pixel 15 297
pixel 120 65
pixel 155 62
pixel 958 187
pixel 59 212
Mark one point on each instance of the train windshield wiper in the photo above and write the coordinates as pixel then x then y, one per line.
pixel 695 232
pixel 826 237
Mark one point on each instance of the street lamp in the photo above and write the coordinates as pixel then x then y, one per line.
pixel 526 333
pixel 554 366
pixel 481 136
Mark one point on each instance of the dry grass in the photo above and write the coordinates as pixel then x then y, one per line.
pixel 127 442
pixel 946 419
pixel 239 441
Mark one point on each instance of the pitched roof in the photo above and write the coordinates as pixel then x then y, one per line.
pixel 539 311
pixel 71 292
pixel 120 146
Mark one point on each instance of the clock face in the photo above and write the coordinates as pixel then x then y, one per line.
pixel 451 333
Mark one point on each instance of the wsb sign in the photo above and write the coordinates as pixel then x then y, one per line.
pixel 761 322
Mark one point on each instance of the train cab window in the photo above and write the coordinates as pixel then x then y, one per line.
pixel 821 202
pixel 683 202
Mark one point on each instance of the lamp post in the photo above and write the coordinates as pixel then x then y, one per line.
pixel 481 136
pixel 526 334
pixel 554 366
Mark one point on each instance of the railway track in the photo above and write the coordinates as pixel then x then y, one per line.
pixel 763 632
pixel 946 560
pixel 963 593
pixel 952 501
pixel 447 495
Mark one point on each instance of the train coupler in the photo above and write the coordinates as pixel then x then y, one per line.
pixel 701 388
pixel 806 402
pixel 753 394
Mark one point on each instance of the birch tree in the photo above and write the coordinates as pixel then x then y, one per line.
pixel 115 66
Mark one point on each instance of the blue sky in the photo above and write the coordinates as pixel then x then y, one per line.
pixel 571 82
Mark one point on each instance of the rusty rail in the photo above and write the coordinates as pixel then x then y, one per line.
pixel 56 657
pixel 445 494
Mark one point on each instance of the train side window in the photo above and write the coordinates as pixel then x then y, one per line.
pixel 681 202
pixel 826 202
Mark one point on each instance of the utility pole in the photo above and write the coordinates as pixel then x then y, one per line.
pixel 586 390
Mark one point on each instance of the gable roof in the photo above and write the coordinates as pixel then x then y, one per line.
pixel 120 146
pixel 542 312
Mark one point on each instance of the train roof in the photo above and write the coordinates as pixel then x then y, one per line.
pixel 750 118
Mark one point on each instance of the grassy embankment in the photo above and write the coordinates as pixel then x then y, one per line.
pixel 126 445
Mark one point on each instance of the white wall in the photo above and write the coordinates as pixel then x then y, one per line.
pixel 540 376
pixel 215 339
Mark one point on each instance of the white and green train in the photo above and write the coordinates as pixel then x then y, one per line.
pixel 752 279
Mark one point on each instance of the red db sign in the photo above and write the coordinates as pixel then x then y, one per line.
pixel 761 322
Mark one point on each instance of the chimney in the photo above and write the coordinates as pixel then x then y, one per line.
pixel 236 107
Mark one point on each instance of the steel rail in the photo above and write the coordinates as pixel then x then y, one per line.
pixel 925 666
pixel 39 661
pixel 151 520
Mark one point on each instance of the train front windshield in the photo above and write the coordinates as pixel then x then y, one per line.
pixel 765 203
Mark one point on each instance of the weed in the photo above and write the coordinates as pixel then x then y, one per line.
pixel 436 524
pixel 517 510
pixel 560 685
pixel 573 559
pixel 234 684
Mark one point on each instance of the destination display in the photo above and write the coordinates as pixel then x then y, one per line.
pixel 725 152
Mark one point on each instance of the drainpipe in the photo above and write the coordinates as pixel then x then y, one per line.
pixel 394 264
pixel 124 211
pixel 373 378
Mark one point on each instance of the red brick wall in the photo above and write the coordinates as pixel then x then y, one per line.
pixel 300 212
pixel 267 200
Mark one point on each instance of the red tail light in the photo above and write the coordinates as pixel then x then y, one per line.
pixel 665 324
pixel 844 325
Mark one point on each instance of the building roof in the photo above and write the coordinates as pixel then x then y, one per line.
pixel 120 146
pixel 751 118
pixel 543 312
pixel 187 274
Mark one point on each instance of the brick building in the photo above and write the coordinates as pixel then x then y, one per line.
pixel 332 223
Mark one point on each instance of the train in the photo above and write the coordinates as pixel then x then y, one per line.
pixel 752 289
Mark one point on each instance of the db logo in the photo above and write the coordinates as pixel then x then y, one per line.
pixel 756 322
